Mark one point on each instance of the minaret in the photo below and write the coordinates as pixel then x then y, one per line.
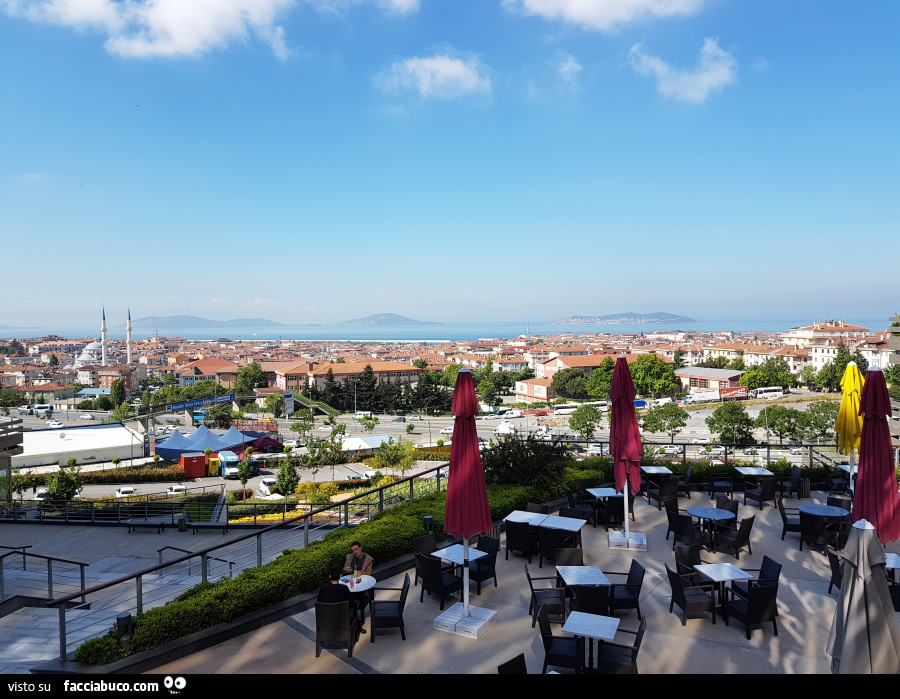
pixel 128 337
pixel 103 339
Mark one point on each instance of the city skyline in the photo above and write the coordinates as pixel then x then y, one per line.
pixel 312 161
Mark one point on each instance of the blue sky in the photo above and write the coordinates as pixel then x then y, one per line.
pixel 310 161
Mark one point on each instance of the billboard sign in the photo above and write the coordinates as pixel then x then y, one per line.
pixel 734 392
pixel 288 402
pixel 255 425
pixel 199 403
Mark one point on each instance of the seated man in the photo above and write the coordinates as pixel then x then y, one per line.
pixel 335 591
pixel 358 561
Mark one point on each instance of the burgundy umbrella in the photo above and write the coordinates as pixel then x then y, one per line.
pixel 467 512
pixel 876 498
pixel 624 437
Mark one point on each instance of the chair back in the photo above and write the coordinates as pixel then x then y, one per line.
pixel 592 599
pixel 671 505
pixel 582 484
pixel 518 536
pixel 688 473
pixel 404 591
pixel 334 622
pixel 538 508
pixel 770 570
pixel 767 489
pixel 813 528
pixel 837 575
pixel 424 544
pixel 683 528
pixel 513 666
pixel 544 625
pixel 488 544
pixel 570 557
pixel 638 638
pixel 572 512
pixel 686 557
pixel 742 538
pixel 781 511
pixel 840 501
pixel 636 574
pixel 552 539
pixel 677 585
pixel 528 577
pixel 796 474
pixel 429 569
pixel 762 603
pixel 668 489
pixel 723 503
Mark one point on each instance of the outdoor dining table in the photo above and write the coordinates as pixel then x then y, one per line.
pixel 532 518
pixel 602 493
pixel 582 575
pixel 360 588
pixel 454 554
pixel 721 573
pixel 711 515
pixel 569 524
pixel 891 563
pixel 592 626
pixel 656 470
pixel 827 511
pixel 753 471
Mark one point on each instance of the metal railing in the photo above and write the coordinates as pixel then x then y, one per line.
pixel 161 583
pixel 17 580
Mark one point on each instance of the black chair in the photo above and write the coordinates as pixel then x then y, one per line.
pixel 686 557
pixel 513 666
pixel 686 532
pixel 684 484
pixel 736 539
pixel 769 572
pixel 764 492
pixel 837 571
pixel 561 651
pixel 615 511
pixel 538 508
pixel 671 509
pixel 756 609
pixel 484 568
pixel 791 484
pixel 618 659
pixel 814 531
pixel 336 622
pixel 732 506
pixel 719 484
pixel 591 599
pixel 788 524
pixel 568 557
pixel 627 595
pixel 426 544
pixel 551 599
pixel 666 490
pixel 388 614
pixel 583 510
pixel 519 537
pixel 552 539
pixel 435 580
pixel 690 599
pixel 582 484
pixel 833 483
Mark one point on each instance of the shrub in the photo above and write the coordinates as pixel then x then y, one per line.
pixel 156 457
pixel 116 461
pixel 440 442
pixel 538 463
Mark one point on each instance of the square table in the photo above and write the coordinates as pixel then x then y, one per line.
pixel 569 524
pixel 601 493
pixel 454 554
pixel 532 518
pixel 582 575
pixel 721 573
pixel 592 626
pixel 753 471
pixel 654 470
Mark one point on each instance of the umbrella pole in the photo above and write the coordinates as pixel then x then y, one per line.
pixel 466 576
pixel 852 468
pixel 625 494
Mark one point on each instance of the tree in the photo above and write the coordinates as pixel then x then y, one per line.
pixel 170 379
pixel 714 363
pixel 585 420
pixel 678 359
pixel 808 375
pixel 397 455
pixel 488 392
pixel 64 484
pixel 117 392
pixel 448 378
pixel 514 461
pixel 219 416
pixel 250 377
pixel 103 403
pixel 12 397
pixel 732 423
pixel 304 421
pixel 274 404
pixel 53 361
pixel 600 381
pixel 421 363
pixel 820 419
pixel 288 478
pixel 245 470
pixel 828 379
pixel 653 375
pixel 570 383
pixel 669 419
pixel 145 400
pixel 783 422
pixel 892 377
pixel 122 413
pixel 368 423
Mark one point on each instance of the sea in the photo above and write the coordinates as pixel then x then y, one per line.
pixel 431 333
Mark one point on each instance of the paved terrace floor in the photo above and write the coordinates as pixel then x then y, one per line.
pixel 805 610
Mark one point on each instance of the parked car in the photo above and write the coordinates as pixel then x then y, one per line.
pixel 266 485
pixel 670 450
pixel 26 410
pixel 598 450
pixel 354 477
pixel 815 389
pixel 292 443
pixel 798 450
pixel 716 462
pixel 176 490
pixel 750 451
pixel 40 494
pixel 369 474
pixel 540 413
pixel 701 440
pixel 54 424
pixel 86 417
pixel 447 430
pixel 417 418
pixel 399 418
pixel 126 492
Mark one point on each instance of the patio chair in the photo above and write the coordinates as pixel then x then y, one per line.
pixel 583 510
pixel 736 540
pixel 551 599
pixel 591 599
pixel 561 651
pixel 788 523
pixel 684 484
pixel 336 622
pixel 690 599
pixel 435 580
pixel 733 506
pixel 791 484
pixel 769 572
pixel 686 557
pixel 718 484
pixel 837 571
pixel 764 492
pixel 619 659
pixel 538 508
pixel 513 666
pixel 582 484
pixel 671 509
pixel 426 544
pixel 615 510
pixel 686 532
pixel 627 595
pixel 814 531
pixel 484 568
pixel 756 609
pixel 552 539
pixel 666 490
pixel 840 484
pixel 388 614
pixel 568 557
pixel 519 537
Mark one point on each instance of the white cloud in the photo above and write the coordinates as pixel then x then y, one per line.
pixel 440 76
pixel 400 7
pixel 760 65
pixel 568 70
pixel 715 69
pixel 603 15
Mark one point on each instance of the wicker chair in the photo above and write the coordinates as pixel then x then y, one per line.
pixel 388 614
pixel 736 540
pixel 762 493
pixel 519 537
pixel 691 600
pixel 551 599
pixel 756 609
pixel 619 659
pixel 561 651
pixel 627 595
pixel 336 622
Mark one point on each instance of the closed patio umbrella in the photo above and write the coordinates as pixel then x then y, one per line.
pixel 865 634
pixel 849 423
pixel 876 498
pixel 467 511
pixel 624 438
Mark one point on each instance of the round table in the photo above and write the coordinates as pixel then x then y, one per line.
pixel 712 515
pixel 360 590
pixel 823 510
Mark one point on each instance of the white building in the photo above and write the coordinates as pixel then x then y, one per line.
pixel 89 444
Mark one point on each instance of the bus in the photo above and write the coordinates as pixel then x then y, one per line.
pixel 565 408
pixel 601 405
pixel 768 392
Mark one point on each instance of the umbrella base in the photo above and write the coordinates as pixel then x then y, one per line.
pixel 636 541
pixel 474 626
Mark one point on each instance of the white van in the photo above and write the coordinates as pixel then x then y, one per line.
pixel 42 409
pixel 362 414
pixel 505 428
pixel 513 413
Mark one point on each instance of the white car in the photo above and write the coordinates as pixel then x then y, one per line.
pixel 700 440
pixel 354 477
pixel 292 443
pixel 798 450
pixel 670 450
pixel 370 474
pixel 447 430
pixel 54 424
pixel 86 417
pixel 126 492
pixel 40 494
pixel 598 450
pixel 266 484
pixel 176 490
pixel 716 462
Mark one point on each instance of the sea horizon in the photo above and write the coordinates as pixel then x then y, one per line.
pixel 433 332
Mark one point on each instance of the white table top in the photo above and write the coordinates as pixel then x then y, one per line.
pixel 532 518
pixel 569 524
pixel 753 471
pixel 893 561
pixel 603 492
pixel 361 584
pixel 582 575
pixel 722 572
pixel 846 468
pixel 454 554
pixel 591 625
pixel 656 469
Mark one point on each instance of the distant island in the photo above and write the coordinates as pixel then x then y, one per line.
pixel 193 322
pixel 385 319
pixel 625 319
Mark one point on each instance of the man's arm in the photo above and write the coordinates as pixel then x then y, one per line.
pixel 347 566
pixel 367 565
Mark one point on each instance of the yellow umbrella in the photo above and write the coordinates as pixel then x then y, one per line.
pixel 849 421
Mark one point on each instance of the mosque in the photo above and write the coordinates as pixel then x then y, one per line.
pixel 95 353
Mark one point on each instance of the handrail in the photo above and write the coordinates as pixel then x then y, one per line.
pixel 209 558
pixel 46 558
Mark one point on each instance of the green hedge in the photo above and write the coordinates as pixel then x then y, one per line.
pixel 153 474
